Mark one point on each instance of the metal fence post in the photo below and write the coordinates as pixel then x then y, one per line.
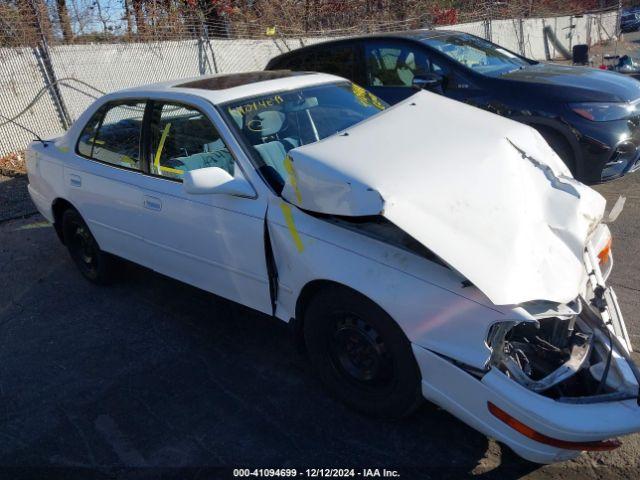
pixel 43 57
pixel 521 35
pixel 203 42
pixel 487 29
pixel 487 19
pixel 619 19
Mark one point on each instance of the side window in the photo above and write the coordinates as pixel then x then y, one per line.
pixel 298 62
pixel 113 134
pixel 338 60
pixel 394 64
pixel 183 139
pixel 88 135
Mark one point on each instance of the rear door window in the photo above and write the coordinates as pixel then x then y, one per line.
pixel 112 135
pixel 337 60
pixel 298 62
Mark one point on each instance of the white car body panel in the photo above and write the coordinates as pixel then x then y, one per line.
pixel 466 397
pixel 430 298
pixel 217 242
pixel 512 228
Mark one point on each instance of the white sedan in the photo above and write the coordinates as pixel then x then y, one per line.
pixel 427 250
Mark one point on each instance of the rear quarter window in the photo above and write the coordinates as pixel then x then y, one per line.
pixel 298 62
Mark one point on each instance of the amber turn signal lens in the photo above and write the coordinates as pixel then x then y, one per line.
pixel 603 256
pixel 529 432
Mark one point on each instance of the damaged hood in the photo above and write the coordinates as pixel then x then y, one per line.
pixel 484 193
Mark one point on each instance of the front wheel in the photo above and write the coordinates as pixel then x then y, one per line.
pixel 361 354
pixel 94 264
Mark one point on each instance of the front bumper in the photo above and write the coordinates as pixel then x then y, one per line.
pixel 608 150
pixel 467 397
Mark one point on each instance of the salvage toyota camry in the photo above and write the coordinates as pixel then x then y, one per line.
pixel 427 250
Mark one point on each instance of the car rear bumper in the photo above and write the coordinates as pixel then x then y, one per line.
pixel 468 397
pixel 42 205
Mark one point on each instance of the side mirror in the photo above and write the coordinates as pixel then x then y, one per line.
pixel 215 180
pixel 428 81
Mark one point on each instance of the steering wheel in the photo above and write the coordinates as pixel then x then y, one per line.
pixel 255 125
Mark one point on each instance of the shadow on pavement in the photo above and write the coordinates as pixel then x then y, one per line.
pixel 151 373
pixel 14 198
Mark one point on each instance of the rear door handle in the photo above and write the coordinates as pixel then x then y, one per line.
pixel 75 180
pixel 152 203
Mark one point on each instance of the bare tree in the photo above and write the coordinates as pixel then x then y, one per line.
pixel 65 21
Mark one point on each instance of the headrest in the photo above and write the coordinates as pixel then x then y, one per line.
pixel 267 123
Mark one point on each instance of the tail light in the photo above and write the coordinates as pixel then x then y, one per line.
pixel 529 432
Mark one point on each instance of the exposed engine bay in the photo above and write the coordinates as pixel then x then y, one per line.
pixel 574 358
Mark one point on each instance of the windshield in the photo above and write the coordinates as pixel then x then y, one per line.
pixel 273 124
pixel 477 54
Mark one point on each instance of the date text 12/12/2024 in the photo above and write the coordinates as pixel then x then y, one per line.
pixel 316 473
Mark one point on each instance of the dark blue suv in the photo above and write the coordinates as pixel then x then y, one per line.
pixel 590 117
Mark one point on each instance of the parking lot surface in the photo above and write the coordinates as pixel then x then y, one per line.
pixel 151 377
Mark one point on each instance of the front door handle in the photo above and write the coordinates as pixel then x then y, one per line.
pixel 75 180
pixel 152 203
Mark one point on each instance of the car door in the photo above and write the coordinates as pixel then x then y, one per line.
pixel 455 83
pixel 214 242
pixel 102 178
pixel 390 67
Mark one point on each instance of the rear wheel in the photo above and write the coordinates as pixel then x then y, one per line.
pixel 361 354
pixel 94 264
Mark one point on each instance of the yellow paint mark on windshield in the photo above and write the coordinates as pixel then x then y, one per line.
pixel 257 105
pixel 293 178
pixel 288 218
pixel 366 98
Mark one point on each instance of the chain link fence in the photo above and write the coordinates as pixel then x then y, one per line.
pixel 54 62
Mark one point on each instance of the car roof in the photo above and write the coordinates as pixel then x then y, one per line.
pixel 222 88
pixel 418 34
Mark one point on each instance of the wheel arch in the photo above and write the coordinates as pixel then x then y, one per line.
pixel 563 131
pixel 308 291
pixel 58 207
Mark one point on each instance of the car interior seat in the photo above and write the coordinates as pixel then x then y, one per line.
pixel 406 69
pixel 269 125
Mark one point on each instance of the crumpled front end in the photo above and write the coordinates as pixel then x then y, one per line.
pixel 487 195
pixel 555 384
pixel 546 368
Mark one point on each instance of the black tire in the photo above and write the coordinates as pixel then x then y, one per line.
pixel 94 264
pixel 361 354
pixel 560 145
